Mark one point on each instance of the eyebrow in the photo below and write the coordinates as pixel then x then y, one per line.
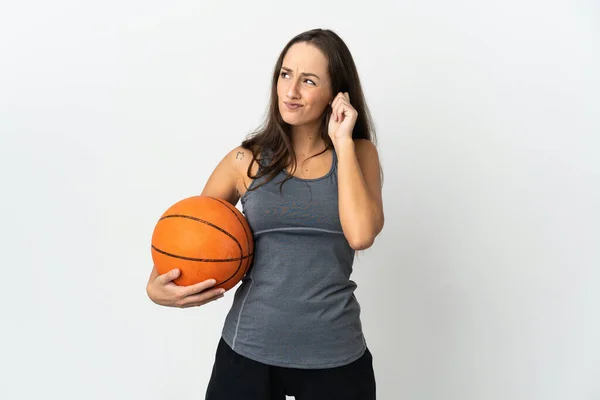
pixel 286 69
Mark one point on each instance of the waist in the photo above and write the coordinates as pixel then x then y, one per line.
pixel 295 331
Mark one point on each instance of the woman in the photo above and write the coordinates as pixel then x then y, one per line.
pixel 294 327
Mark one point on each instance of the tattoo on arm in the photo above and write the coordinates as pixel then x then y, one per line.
pixel 239 156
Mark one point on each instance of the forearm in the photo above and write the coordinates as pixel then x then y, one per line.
pixel 360 215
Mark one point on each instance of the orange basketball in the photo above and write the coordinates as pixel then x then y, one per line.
pixel 206 238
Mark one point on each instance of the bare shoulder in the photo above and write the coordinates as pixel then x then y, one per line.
pixel 240 159
pixel 368 159
pixel 365 149
pixel 227 179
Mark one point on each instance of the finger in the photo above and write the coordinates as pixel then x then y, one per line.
pixel 334 101
pixel 336 108
pixel 337 99
pixel 200 299
pixel 335 113
pixel 168 276
pixel 202 302
pixel 346 107
pixel 197 287
pixel 340 110
pixel 331 112
pixel 342 100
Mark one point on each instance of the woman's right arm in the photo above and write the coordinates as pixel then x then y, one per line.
pixel 223 183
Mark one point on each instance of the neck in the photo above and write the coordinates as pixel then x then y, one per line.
pixel 306 141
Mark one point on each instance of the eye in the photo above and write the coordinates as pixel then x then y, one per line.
pixel 311 82
pixel 283 74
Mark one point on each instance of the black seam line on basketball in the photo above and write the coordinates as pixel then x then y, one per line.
pixel 243 228
pixel 238 218
pixel 200 259
pixel 241 223
pixel 219 229
pixel 204 222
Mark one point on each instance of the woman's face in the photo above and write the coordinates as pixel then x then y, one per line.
pixel 304 86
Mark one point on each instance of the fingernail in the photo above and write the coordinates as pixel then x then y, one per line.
pixel 222 291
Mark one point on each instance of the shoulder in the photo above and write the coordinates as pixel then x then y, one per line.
pixel 240 158
pixel 240 154
pixel 365 149
pixel 368 159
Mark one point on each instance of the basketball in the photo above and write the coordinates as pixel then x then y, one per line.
pixel 205 238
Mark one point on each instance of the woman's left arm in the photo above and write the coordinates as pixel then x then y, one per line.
pixel 359 178
pixel 359 191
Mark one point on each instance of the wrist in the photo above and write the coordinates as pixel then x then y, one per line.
pixel 343 144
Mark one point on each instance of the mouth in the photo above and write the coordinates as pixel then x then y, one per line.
pixel 292 106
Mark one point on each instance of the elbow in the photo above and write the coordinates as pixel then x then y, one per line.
pixel 364 238
pixel 361 243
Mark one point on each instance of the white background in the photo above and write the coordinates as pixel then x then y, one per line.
pixel 483 284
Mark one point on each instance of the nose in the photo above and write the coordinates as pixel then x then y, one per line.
pixel 292 90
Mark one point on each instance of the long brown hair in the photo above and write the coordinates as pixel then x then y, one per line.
pixel 274 135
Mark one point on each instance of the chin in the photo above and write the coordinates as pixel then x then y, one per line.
pixel 290 119
pixel 294 118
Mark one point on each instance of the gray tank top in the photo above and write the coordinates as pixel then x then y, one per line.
pixel 296 306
